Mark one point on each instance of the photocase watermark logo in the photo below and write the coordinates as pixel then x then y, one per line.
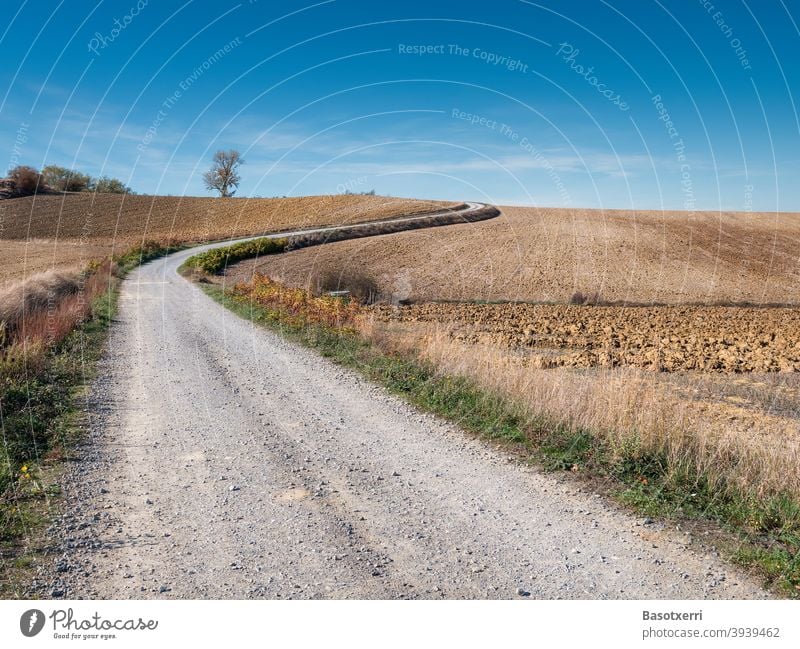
pixel 569 54
pixel 100 41
pixel 64 624
pixel 31 622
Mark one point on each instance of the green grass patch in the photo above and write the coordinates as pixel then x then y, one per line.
pixel 217 259
pixel 762 534
pixel 147 251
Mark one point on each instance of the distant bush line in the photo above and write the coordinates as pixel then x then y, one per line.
pixel 26 181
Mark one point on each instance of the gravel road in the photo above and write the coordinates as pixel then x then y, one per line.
pixel 225 462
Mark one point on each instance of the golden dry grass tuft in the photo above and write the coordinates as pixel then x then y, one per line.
pixel 299 307
pixel 45 307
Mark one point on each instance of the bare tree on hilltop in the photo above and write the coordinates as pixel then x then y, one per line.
pixel 223 177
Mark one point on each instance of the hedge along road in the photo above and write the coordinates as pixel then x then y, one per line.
pixel 225 462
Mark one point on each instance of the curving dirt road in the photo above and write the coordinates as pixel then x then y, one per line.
pixel 224 462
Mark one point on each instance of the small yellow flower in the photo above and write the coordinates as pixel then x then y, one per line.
pixel 24 468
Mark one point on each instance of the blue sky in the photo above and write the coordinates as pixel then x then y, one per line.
pixel 613 104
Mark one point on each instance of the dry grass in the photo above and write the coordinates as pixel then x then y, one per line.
pixel 35 293
pixel 749 449
pixel 46 307
pixel 299 307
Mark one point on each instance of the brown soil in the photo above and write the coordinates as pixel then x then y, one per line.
pixel 665 338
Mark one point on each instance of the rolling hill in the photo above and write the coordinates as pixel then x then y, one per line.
pixel 548 255
pixel 43 232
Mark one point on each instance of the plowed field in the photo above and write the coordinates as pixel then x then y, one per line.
pixel 45 232
pixel 666 338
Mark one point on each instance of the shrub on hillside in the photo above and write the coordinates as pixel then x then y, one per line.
pixel 106 185
pixel 586 299
pixel 362 287
pixel 65 180
pixel 26 180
